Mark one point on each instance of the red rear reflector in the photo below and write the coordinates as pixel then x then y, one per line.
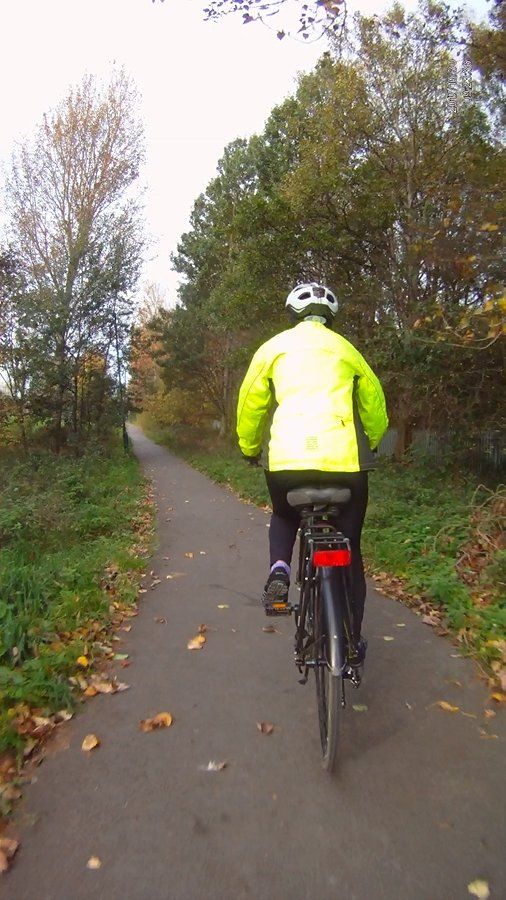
pixel 332 557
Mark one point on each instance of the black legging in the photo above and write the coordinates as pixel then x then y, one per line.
pixel 285 520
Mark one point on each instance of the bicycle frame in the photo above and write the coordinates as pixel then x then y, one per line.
pixel 319 533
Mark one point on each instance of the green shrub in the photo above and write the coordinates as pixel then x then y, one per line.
pixel 62 521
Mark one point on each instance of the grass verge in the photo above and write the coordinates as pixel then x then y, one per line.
pixel 432 538
pixel 72 536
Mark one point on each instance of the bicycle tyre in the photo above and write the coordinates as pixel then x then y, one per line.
pixel 329 685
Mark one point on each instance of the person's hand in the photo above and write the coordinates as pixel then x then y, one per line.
pixel 253 460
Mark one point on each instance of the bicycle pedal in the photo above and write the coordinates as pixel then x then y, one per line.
pixel 278 609
pixel 354 675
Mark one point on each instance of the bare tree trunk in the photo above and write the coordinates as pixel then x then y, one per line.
pixel 75 401
pixel 404 437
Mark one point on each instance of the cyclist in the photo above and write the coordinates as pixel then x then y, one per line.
pixel 329 416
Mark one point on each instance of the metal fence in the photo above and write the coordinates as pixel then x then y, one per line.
pixel 484 451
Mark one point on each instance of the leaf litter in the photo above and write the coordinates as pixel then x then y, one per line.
pixel 8 848
pixel 197 642
pixel 93 863
pixel 161 720
pixel 265 727
pixel 90 742
pixel 214 766
pixel 479 888
pixel 448 707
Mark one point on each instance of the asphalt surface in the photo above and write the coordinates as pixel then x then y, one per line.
pixel 416 811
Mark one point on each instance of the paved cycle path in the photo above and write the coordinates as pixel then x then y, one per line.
pixel 416 811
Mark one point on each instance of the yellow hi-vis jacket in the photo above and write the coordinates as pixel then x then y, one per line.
pixel 330 407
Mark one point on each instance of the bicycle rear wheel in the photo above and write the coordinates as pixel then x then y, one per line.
pixel 329 683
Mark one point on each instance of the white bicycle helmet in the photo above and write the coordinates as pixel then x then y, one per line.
pixel 311 300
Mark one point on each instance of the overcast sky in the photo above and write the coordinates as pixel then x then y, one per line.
pixel 202 85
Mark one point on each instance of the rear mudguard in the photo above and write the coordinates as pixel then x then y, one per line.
pixel 332 618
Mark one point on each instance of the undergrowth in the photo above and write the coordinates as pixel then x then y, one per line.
pixel 63 522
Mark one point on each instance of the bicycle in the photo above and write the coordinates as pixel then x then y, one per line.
pixel 324 636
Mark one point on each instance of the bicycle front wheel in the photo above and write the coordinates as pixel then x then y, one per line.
pixel 329 683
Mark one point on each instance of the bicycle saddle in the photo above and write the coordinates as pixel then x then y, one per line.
pixel 317 496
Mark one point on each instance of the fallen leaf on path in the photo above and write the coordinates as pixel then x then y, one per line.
pixel 490 713
pixel 142 591
pixel 155 582
pixel 468 715
pixel 408 704
pixel 161 720
pixel 443 704
pixel 265 727
pixel 8 847
pixel 122 686
pixel 41 721
pixel 126 627
pixel 214 766
pixel 7 765
pixel 90 742
pixel 501 675
pixel 121 656
pixel 91 691
pixel 160 620
pixel 189 555
pixel 103 687
pixel 400 624
pixel 82 661
pixel 9 793
pixel 269 629
pixel 479 888
pixel 175 575
pixel 93 863
pixel 487 734
pixel 360 707
pixel 197 642
pixel 388 637
pixel 203 552
pixel 223 606
pixel 125 663
pixel 499 697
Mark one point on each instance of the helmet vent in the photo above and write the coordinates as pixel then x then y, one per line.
pixel 305 296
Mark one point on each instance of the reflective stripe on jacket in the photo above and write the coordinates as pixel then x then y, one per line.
pixel 330 407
